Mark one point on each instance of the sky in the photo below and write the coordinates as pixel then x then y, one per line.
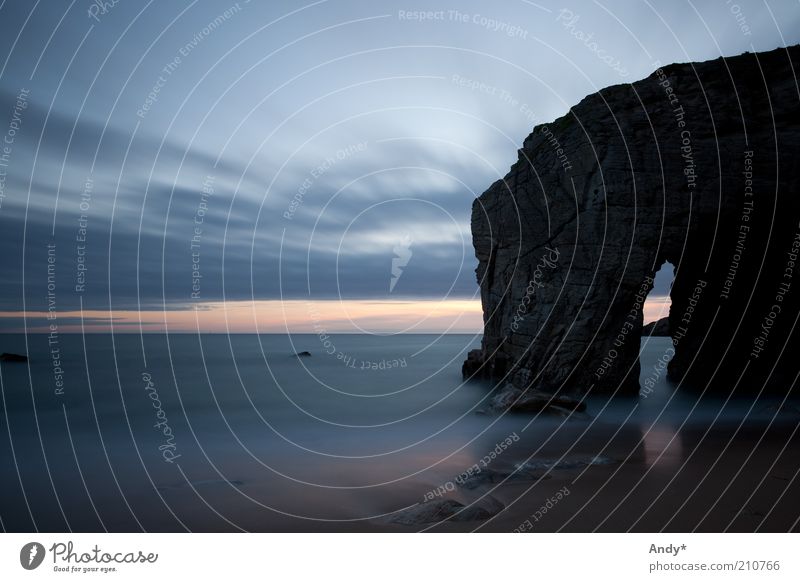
pixel 273 166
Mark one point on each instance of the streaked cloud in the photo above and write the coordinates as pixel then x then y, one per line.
pixel 364 126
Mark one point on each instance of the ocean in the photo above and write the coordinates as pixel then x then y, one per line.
pixel 224 433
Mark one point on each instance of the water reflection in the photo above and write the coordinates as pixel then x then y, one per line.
pixel 663 447
pixel 662 442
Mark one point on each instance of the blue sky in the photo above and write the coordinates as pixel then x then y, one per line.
pixel 312 141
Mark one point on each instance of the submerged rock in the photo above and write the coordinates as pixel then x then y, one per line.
pixel 302 355
pixel 6 357
pixel 514 399
pixel 438 510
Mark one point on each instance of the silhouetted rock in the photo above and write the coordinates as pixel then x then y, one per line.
pixel 6 357
pixel 695 165
pixel 658 328
pixel 302 355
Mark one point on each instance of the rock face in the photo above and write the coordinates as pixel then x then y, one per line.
pixel 696 165
pixel 658 328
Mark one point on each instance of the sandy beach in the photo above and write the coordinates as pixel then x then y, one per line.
pixel 666 481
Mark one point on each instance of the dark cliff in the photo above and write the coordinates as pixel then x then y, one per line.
pixel 696 165
pixel 658 328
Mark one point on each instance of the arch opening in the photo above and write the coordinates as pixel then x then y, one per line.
pixel 656 348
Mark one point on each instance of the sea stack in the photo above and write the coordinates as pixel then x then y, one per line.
pixel 695 165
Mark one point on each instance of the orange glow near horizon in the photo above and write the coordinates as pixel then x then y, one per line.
pixel 275 316
pixel 293 316
pixel 656 307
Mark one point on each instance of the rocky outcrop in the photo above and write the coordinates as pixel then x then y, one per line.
pixel 695 165
pixel 658 328
pixel 514 399
pixel 438 510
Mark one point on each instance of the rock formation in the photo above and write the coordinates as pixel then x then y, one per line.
pixel 696 165
pixel 658 328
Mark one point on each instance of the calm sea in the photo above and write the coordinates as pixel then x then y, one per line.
pixel 217 432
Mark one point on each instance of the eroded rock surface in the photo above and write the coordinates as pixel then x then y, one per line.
pixel 658 328
pixel 695 165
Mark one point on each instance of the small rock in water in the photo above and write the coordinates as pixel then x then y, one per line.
pixel 6 357
pixel 563 464
pixel 302 355
pixel 438 510
pixel 513 399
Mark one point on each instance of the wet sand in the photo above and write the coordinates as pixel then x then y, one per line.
pixel 664 462
pixel 671 481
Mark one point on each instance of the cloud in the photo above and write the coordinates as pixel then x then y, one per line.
pixel 363 128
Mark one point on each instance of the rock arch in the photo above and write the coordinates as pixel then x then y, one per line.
pixel 696 165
